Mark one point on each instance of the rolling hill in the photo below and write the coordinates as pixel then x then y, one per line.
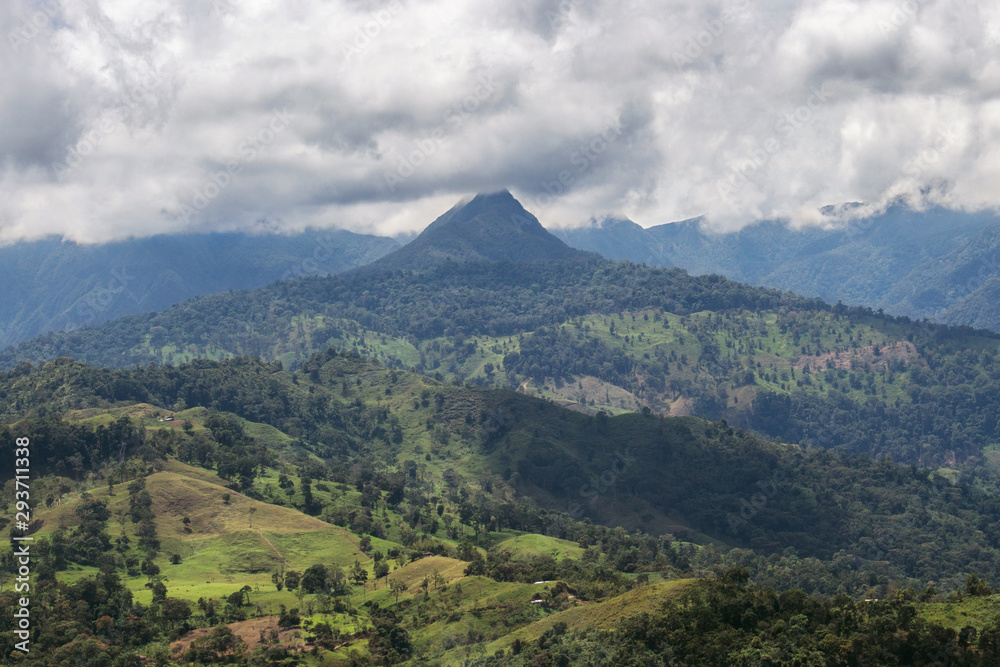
pixel 597 335
pixel 342 415
pixel 169 526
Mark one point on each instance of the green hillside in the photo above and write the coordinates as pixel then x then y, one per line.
pixel 436 521
pixel 616 337
pixel 506 463
pixel 595 335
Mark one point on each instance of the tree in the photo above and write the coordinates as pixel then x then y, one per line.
pixel 240 598
pixel 314 579
pixel 292 580
pixel 104 625
pixel 359 574
pixel 159 591
pixel 175 610
pixel 977 587
pixel 288 617
pixel 337 581
pixel 216 646
pixel 381 570
pixel 389 642
pixel 397 587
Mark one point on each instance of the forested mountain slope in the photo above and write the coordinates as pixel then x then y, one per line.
pixel 700 480
pixel 491 227
pixel 914 263
pixel 594 334
pixel 54 285
pixel 357 515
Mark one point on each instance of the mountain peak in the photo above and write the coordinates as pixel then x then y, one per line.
pixel 492 226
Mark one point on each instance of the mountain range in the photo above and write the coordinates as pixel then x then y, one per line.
pixel 937 263
pixel 489 448
pixel 55 285
pixel 594 335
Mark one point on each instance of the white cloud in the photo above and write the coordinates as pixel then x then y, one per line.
pixel 121 118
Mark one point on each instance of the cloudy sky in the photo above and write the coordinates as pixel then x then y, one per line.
pixel 131 118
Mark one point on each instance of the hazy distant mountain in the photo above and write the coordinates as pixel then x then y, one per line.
pixel 958 286
pixel 922 264
pixel 616 239
pixel 51 285
pixel 979 309
pixel 492 227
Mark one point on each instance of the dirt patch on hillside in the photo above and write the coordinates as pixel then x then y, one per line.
pixel 249 631
pixel 682 406
pixel 590 390
pixel 877 357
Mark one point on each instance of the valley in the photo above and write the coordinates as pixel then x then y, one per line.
pixel 440 461
pixel 535 334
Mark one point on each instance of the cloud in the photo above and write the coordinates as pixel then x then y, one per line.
pixel 123 119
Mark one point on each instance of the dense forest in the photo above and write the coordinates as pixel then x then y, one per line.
pixel 727 622
pixel 566 462
pixel 683 474
pixel 421 469
pixel 775 363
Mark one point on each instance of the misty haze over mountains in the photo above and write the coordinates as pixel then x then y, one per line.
pixel 53 285
pixel 939 264
pixel 707 373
